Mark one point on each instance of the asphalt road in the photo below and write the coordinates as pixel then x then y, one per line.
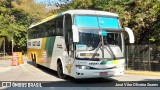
pixel 48 78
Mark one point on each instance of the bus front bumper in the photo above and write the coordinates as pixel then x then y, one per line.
pixel 84 73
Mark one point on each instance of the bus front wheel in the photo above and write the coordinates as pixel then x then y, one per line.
pixel 60 71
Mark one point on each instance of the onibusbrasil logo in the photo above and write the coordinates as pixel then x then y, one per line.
pixel 21 84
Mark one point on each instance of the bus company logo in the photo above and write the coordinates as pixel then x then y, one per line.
pixel 35 43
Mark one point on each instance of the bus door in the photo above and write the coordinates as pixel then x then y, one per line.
pixel 68 40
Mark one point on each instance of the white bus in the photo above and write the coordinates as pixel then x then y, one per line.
pixel 79 43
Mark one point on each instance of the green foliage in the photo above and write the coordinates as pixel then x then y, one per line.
pixel 16 16
pixel 81 4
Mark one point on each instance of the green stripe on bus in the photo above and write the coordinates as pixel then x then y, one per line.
pixel 103 62
pixel 49 47
pixel 109 62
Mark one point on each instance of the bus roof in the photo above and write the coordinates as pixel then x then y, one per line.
pixel 90 12
pixel 42 21
pixel 72 12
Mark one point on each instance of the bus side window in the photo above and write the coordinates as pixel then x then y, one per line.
pixel 58 31
pixel 54 32
pixel 53 28
pixel 68 32
pixel 59 26
pixel 68 27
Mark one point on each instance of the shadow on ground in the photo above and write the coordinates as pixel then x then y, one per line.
pixel 71 82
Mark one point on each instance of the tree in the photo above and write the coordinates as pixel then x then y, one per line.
pixel 16 16
pixel 143 15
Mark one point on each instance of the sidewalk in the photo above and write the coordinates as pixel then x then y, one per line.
pixel 146 73
pixel 5 64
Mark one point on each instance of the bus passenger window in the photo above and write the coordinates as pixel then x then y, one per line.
pixel 54 32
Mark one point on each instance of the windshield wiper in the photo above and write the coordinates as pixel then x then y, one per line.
pixel 110 51
pixel 99 47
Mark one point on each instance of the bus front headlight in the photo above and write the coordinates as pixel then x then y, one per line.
pixel 82 67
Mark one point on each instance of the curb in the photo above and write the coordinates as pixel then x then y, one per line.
pixel 146 73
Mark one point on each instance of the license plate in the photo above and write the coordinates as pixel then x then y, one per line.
pixel 103 74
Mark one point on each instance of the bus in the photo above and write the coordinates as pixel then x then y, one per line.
pixel 80 44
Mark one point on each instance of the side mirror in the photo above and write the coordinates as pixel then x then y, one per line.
pixel 130 33
pixel 75 33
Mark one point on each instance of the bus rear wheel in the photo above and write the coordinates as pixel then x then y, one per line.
pixel 34 60
pixel 60 71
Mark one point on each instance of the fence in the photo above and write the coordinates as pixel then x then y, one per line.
pixel 143 57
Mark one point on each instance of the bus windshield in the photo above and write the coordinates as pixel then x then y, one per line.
pixel 92 43
pixel 91 40
pixel 86 21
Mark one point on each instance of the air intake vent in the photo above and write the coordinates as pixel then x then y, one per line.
pixel 93 63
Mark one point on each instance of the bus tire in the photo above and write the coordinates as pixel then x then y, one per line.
pixel 34 61
pixel 32 58
pixel 60 70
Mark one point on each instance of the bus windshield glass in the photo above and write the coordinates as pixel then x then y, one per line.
pixel 91 40
pixel 95 38
pixel 86 21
